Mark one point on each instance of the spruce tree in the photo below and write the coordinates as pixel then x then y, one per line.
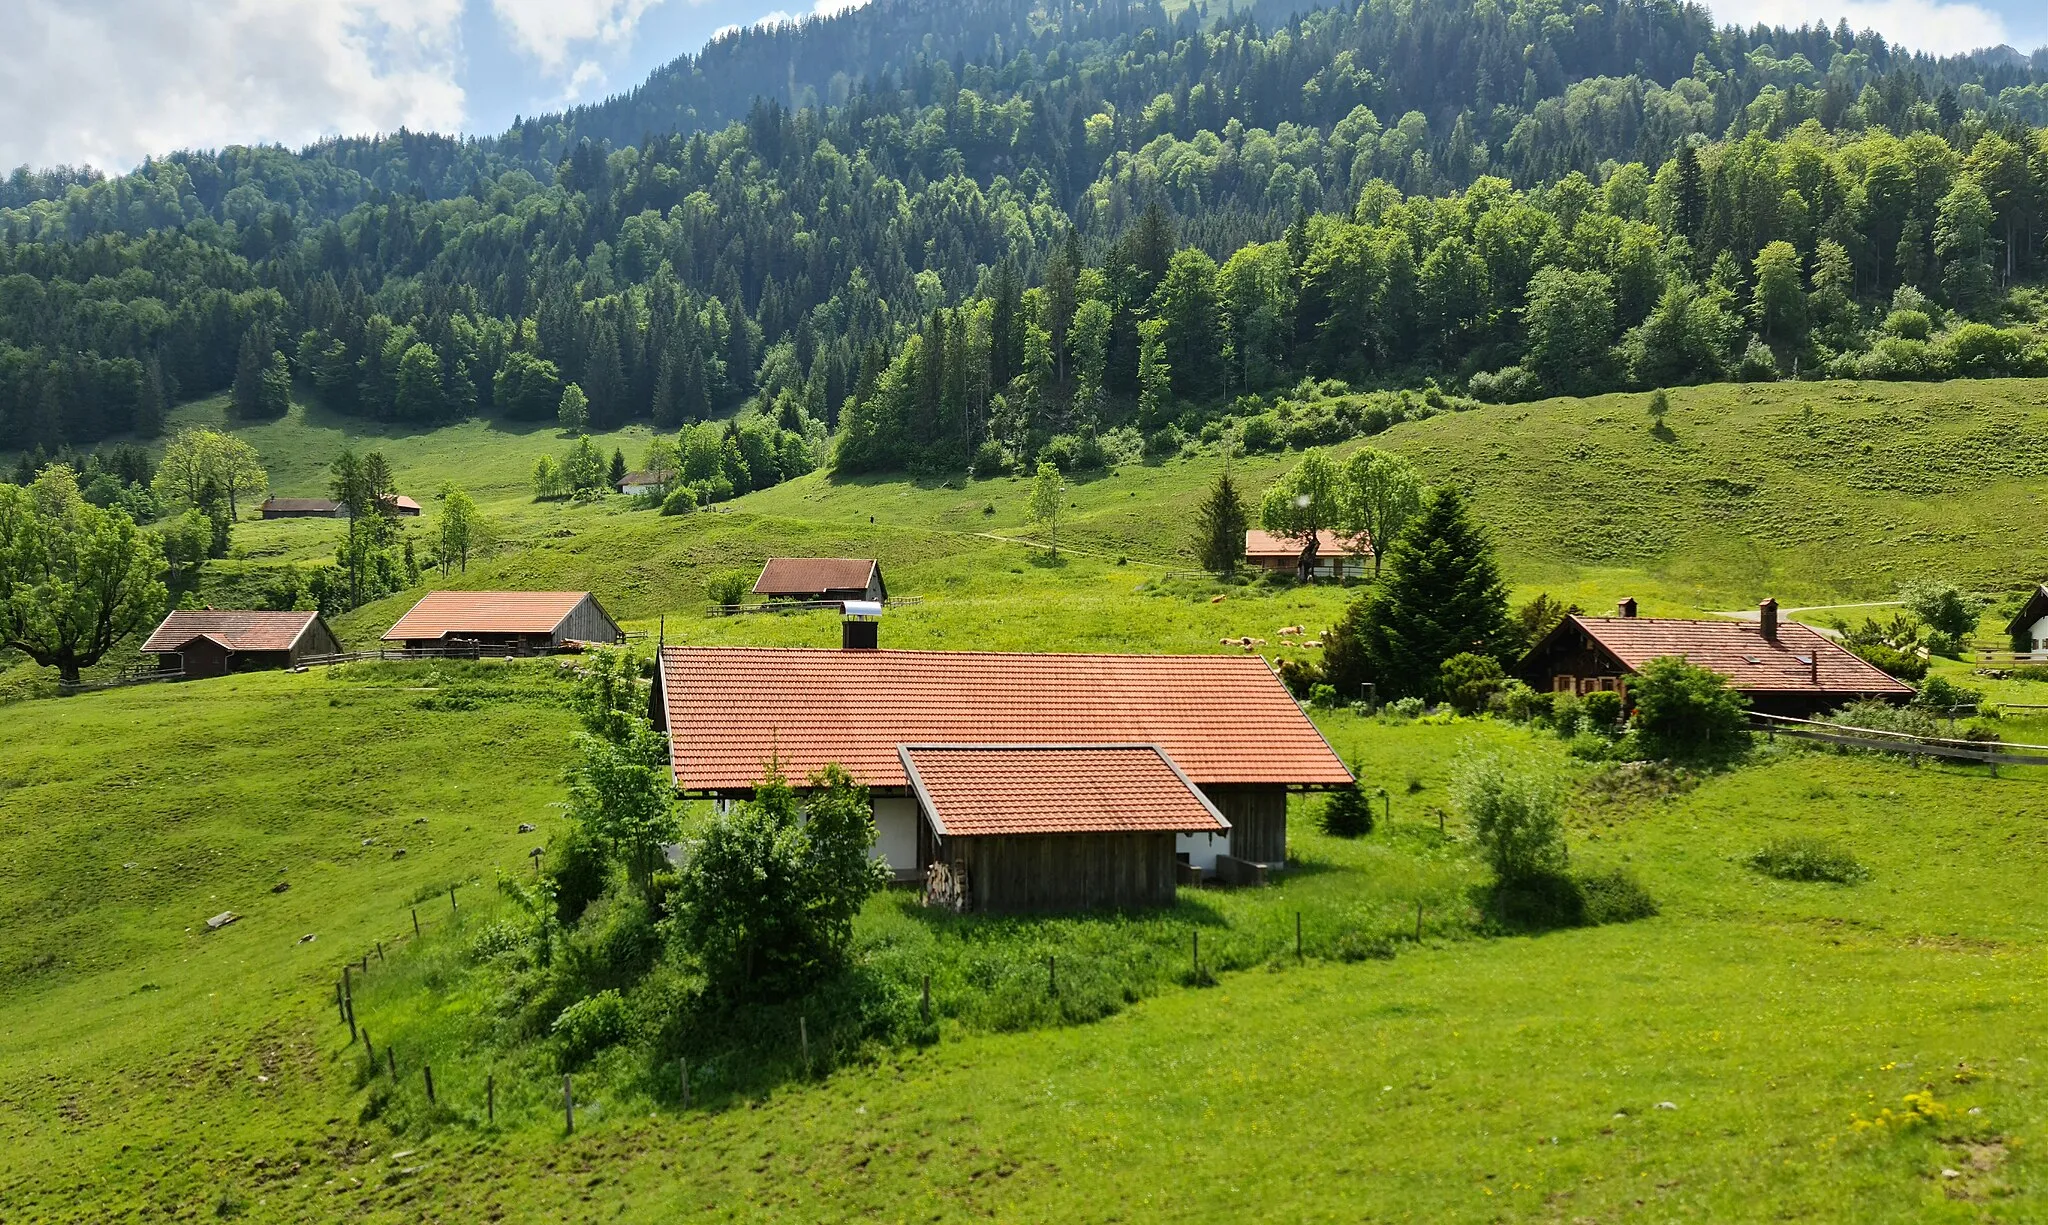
pixel 1441 595
pixel 149 402
pixel 1220 523
pixel 254 362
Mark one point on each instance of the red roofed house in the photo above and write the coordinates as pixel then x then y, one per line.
pixel 326 508
pixel 525 622
pixel 821 579
pixel 1782 667
pixel 1049 782
pixel 1335 556
pixel 213 642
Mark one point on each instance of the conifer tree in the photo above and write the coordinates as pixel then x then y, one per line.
pixel 1220 525
pixel 1441 595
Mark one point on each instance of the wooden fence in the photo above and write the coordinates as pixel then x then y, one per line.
pixel 1991 753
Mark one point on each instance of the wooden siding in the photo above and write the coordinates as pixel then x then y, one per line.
pixel 587 622
pixel 317 640
pixel 1258 820
pixel 1038 873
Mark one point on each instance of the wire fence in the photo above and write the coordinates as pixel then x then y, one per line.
pixel 1988 752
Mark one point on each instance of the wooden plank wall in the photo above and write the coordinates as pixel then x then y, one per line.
pixel 1054 872
pixel 1258 820
pixel 588 623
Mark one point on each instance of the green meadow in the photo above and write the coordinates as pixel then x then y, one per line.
pixel 1726 1059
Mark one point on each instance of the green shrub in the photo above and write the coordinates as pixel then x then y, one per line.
pixel 1522 704
pixel 589 1025
pixel 990 460
pixel 1803 857
pixel 680 501
pixel 1404 708
pixel 1302 677
pixel 1261 433
pixel 1941 693
pixel 1885 717
pixel 1614 897
pixel 729 588
pixel 1902 665
pixel 579 869
pixel 1469 680
pixel 1758 364
pixel 1508 385
pixel 1517 816
pixel 1686 712
pixel 1347 812
pixel 1601 712
pixel 1323 697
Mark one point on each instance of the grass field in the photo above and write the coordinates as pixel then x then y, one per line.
pixel 155 1070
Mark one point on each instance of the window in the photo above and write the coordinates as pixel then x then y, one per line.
pixel 1562 684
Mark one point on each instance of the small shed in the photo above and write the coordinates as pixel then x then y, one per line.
pixel 301 508
pixel 638 484
pixel 1782 667
pixel 401 506
pixel 1047 827
pixel 2029 629
pixel 1335 557
pixel 215 642
pixel 822 579
pixel 522 622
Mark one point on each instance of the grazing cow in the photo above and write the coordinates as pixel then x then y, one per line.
pixel 1314 644
pixel 1289 631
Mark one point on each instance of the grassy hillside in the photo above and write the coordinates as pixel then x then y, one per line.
pixel 155 1069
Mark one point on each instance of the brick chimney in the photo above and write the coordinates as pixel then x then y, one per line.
pixel 1627 607
pixel 1767 618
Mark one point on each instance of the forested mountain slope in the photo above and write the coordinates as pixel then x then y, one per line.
pixel 1411 168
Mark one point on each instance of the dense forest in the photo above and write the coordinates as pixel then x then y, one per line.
pixel 978 230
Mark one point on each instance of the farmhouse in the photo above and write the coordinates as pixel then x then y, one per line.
pixel 637 484
pixel 215 642
pixel 1782 667
pixel 1034 782
pixel 2029 630
pixel 522 622
pixel 326 508
pixel 821 579
pixel 301 508
pixel 1335 557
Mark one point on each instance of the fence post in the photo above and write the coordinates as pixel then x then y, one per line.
pixel 1197 951
pixel 684 1065
pixel 351 1007
pixel 1297 935
pixel 491 1099
pixel 415 922
pixel 369 1050
pixel 451 899
pixel 568 1106
pixel 429 1074
pixel 803 1034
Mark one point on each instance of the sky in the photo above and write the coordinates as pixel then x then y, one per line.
pixel 109 82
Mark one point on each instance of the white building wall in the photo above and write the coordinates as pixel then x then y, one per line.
pixel 2039 633
pixel 1202 849
pixel 896 835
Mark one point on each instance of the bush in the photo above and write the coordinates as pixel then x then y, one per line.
pixel 578 866
pixel 1614 897
pixel 1946 609
pixel 1404 708
pixel 1508 385
pixel 1941 693
pixel 1885 717
pixel 1803 857
pixel 729 588
pixel 1909 324
pixel 1261 433
pixel 990 460
pixel 1903 665
pixel 589 1025
pixel 680 501
pixel 1684 711
pixel 1323 697
pixel 1601 712
pixel 1522 704
pixel 1347 813
pixel 1164 442
pixel 1469 680
pixel 1301 676
pixel 1517 815
pixel 1758 364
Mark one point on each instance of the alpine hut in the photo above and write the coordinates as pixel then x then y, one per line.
pixel 1782 667
pixel 822 579
pixel 519 622
pixel 1029 782
pixel 1335 557
pixel 215 642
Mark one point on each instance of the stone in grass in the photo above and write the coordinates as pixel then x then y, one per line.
pixel 306 939
pixel 221 920
pixel 281 886
pixel 399 853
pixel 527 827
pixel 1667 1105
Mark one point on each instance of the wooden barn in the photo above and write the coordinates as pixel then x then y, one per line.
pixel 1782 667
pixel 521 622
pixel 215 642
pixel 821 579
pixel 301 508
pixel 1336 557
pixel 2029 629
pixel 1049 782
pixel 639 484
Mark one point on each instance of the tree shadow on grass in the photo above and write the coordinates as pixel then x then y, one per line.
pixel 1555 901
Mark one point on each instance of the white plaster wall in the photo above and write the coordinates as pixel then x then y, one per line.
pixel 1202 849
pixel 896 834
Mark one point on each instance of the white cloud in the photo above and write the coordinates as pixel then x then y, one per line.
pixel 1939 27
pixel 556 32
pixel 783 17
pixel 111 81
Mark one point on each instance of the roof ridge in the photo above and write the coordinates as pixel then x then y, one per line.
pixel 885 651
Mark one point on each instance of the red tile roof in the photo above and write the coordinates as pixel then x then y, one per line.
pixel 1224 718
pixel 1328 544
pixel 441 613
pixel 1739 651
pixel 399 501
pixel 237 631
pixel 978 790
pixel 811 575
